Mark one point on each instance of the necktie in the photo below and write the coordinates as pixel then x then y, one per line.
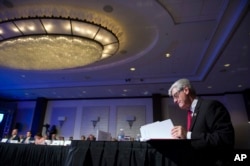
pixel 189 119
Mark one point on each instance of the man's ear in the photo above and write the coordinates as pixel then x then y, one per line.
pixel 186 90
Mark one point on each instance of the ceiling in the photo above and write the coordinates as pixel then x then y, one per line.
pixel 200 36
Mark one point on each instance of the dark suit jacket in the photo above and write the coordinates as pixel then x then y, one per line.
pixel 30 139
pixel 17 138
pixel 212 130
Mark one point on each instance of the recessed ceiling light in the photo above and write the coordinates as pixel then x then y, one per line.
pixel 108 8
pixel 226 65
pixel 132 69
pixel 239 86
pixel 125 90
pixel 209 87
pixel 168 55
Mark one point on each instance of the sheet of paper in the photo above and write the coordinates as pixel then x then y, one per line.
pixel 146 130
pixel 157 130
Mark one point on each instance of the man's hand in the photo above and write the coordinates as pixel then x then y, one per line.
pixel 179 132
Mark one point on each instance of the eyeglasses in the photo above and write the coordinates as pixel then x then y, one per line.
pixel 177 94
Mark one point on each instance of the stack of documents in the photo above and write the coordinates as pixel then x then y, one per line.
pixel 157 130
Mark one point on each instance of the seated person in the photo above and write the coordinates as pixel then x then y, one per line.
pixel 83 137
pixel 53 137
pixel 14 136
pixel 39 139
pixel 91 137
pixel 28 138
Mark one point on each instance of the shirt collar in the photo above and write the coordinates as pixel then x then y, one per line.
pixel 193 105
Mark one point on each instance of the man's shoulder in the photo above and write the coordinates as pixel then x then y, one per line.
pixel 208 101
pixel 211 104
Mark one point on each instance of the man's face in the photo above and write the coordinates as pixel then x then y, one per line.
pixel 180 97
pixel 28 134
pixel 14 132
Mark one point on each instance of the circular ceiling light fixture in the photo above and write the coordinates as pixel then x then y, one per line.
pixel 51 43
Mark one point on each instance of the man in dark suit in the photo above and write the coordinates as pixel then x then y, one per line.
pixel 28 138
pixel 210 130
pixel 14 136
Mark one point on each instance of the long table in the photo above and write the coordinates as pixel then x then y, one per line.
pixel 101 153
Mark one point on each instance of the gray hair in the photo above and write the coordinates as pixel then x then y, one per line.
pixel 180 84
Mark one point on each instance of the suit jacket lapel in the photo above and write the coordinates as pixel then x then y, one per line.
pixel 196 113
